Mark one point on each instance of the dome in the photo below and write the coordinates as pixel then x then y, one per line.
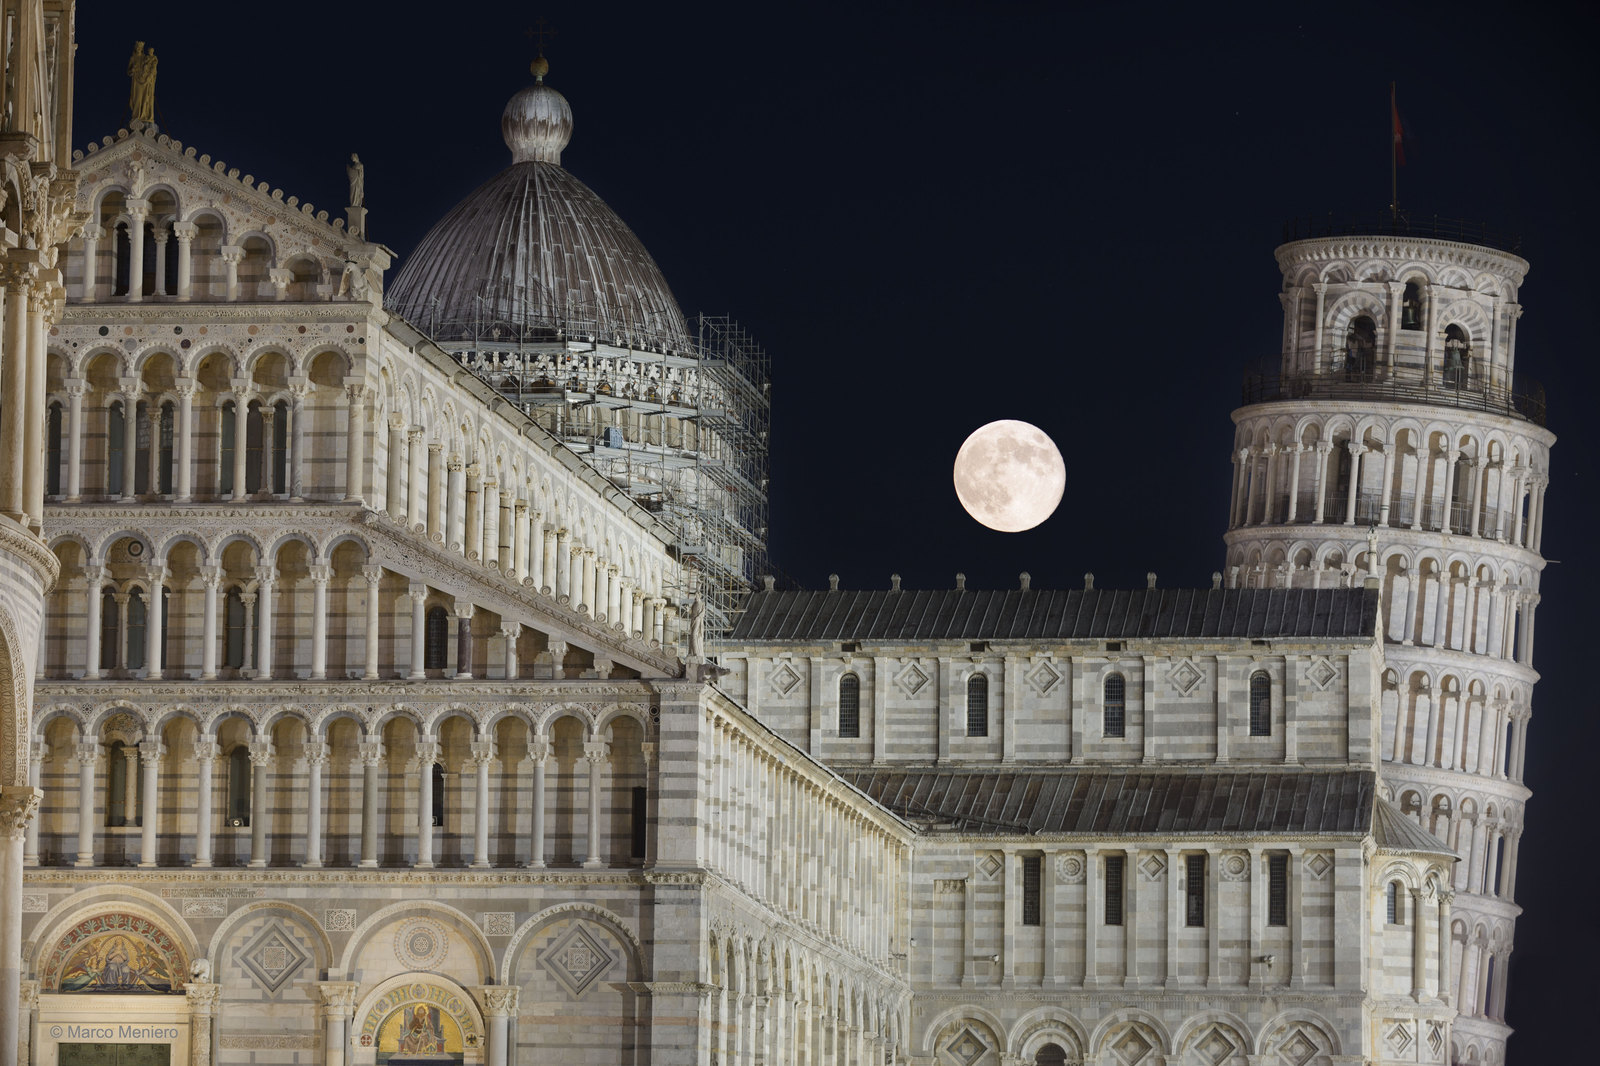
pixel 535 252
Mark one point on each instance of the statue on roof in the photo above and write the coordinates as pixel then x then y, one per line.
pixel 358 181
pixel 142 72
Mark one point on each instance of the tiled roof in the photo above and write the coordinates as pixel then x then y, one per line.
pixel 1121 802
pixel 1040 614
pixel 1395 832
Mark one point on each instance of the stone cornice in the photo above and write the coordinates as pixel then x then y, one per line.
pixel 1272 410
pixel 98 314
pixel 21 544
pixel 1475 257
pixel 1339 533
pixel 1453 781
pixel 311 695
pixel 1112 993
pixel 221 879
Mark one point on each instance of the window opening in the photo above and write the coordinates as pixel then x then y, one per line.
pixel 1113 706
pixel 436 638
pixel 1278 889
pixel 116 434
pixel 137 616
pixel 438 795
pixel 1113 905
pixel 239 786
pixel 1194 890
pixel 640 822
pixel 978 705
pixel 1030 889
pixel 849 706
pixel 1394 905
pixel 52 465
pixel 1260 704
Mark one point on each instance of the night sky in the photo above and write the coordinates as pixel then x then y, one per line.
pixel 938 214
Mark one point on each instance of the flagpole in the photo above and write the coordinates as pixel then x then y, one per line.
pixel 1394 165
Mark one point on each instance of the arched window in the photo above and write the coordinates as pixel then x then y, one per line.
pixel 239 786
pixel 1360 347
pixel 438 795
pixel 1411 307
pixel 978 705
pixel 52 463
pixel 1113 706
pixel 253 432
pixel 233 629
pixel 280 448
pixel 141 448
pixel 849 706
pixel 1395 904
pixel 1051 1055
pixel 436 639
pixel 1506 748
pixel 164 450
pixel 116 422
pixel 225 461
pixel 116 784
pixel 1260 704
pixel 110 629
pixel 124 260
pixel 138 617
pixel 1457 356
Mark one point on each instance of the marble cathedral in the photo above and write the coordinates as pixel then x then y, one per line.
pixel 389 677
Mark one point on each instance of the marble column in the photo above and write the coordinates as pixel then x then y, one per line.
pixel 154 608
pixel 563 565
pixel 1419 946
pixel 150 753
pixel 93 576
pixel 261 754
pixel 1444 961
pixel 483 754
pixel 489 493
pixel 355 442
pixel 37 750
pixel 241 441
pixel 265 576
pixel 137 210
pixel 205 757
pixel 185 232
pixel 74 486
pixel 371 755
pixel 319 620
pixel 269 415
pixel 427 755
pixel 89 752
pixel 88 291
pixel 454 538
pixel 472 546
pixel 545 575
pixel 130 441
pixel 299 415
pixel 204 1001
pixel 464 644
pixel 373 576
pixel 538 754
pixel 211 577
pixel 14 386
pixel 337 1002
pixel 231 255
pixel 499 1007
pixel 419 624
pixel 519 541
pixel 414 476
pixel 18 806
pixel 394 495
pixel 597 753
pixel 316 753
pixel 130 784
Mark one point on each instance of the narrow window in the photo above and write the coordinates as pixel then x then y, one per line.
pixel 1194 890
pixel 1394 905
pixel 1457 356
pixel 137 616
pixel 1411 307
pixel 233 647
pixel 1113 722
pixel 1030 889
pixel 978 705
pixel 1278 889
pixel 438 795
pixel 640 822
pixel 116 421
pixel 849 706
pixel 1260 704
pixel 436 638
pixel 124 259
pixel 109 630
pixel 164 453
pixel 142 442
pixel 52 465
pixel 225 462
pixel 116 784
pixel 239 786
pixel 1114 889
pixel 254 430
pixel 280 448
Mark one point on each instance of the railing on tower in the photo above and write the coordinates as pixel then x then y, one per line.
pixel 1343 376
pixel 1402 224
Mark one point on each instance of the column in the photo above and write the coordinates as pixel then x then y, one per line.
pixel 1419 946
pixel 298 417
pixel 657 620
pixel 563 566
pixel 538 753
pixel 427 755
pixel 88 762
pixel 499 1007
pixel 472 547
pixel 320 574
pixel 1321 289
pixel 435 491
pixel 137 209
pixel 338 1003
pixel 185 232
pixel 33 432
pixel 373 576
pixel 205 757
pixel 355 442
pixel 1444 947
pixel 1324 450
pixel 1294 451
pixel 547 560
pixel 582 574
pixel 1385 487
pixel 1269 502
pixel 483 754
pixel 464 649
pixel 153 646
pixel 509 632
pixel 419 622
pixel 18 805
pixel 1419 485
pixel 37 749
pixel 13 386
pixel 490 495
pixel 93 576
pixel 454 539
pixel 371 755
pixel 392 497
pixel 414 475
pixel 598 753
pixel 1093 912
pixel 92 236
pixel 241 446
pixel 519 541
pixel 231 255
pixel 260 763
pixel 1397 291
pixel 121 650
pixel 1449 488
pixel 150 753
pixel 130 440
pixel 130 784
pixel 152 460
pixel 269 415
pixel 316 753
pixel 265 575
pixel 613 600
pixel 74 439
pixel 183 482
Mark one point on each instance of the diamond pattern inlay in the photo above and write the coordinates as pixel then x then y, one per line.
pixel 990 865
pixel 1185 676
pixel 1298 1049
pixel 911 680
pixel 272 956
pixel 1216 1047
pixel 1322 674
pixel 966 1048
pixel 577 960
pixel 1153 867
pixel 784 679
pixel 1400 1038
pixel 1318 865
pixel 1132 1048
pixel 1044 677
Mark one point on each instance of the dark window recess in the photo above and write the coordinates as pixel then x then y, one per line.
pixel 850 646
pixel 436 639
pixel 1114 889
pixel 438 795
pixel 849 706
pixel 979 645
pixel 1260 705
pixel 239 786
pixel 1114 706
pixel 1030 889
pixel 1194 891
pixel 977 706
pixel 1113 645
pixel 1396 910
pixel 1277 889
pixel 640 822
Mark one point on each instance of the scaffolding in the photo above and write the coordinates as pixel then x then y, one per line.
pixel 681 424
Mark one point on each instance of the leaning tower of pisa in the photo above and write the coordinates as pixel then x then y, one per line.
pixel 1394 437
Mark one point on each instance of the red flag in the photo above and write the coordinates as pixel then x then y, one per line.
pixel 1399 130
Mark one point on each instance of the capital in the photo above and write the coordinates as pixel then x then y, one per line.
pixel 205 747
pixel 89 751
pixel 265 576
pixel 499 1001
pixel 204 997
pixel 538 749
pixel 428 750
pixel 337 998
pixel 151 752
pixel 18 804
pixel 418 593
pixel 185 231
pixel 372 575
pixel 483 751
pixel 370 751
pixel 356 391
pixel 596 751
pixel 261 752
pixel 315 752
pixel 464 609
pixel 320 573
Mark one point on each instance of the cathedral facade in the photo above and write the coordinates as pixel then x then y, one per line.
pixel 395 682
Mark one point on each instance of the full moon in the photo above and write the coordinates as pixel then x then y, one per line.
pixel 1009 476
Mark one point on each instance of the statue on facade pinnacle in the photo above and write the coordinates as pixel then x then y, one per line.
pixel 358 181
pixel 142 73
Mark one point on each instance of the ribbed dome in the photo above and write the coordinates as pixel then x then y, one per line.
pixel 533 249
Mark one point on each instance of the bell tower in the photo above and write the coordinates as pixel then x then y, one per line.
pixel 1394 417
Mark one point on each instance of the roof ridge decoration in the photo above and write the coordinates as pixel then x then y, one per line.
pixel 264 193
